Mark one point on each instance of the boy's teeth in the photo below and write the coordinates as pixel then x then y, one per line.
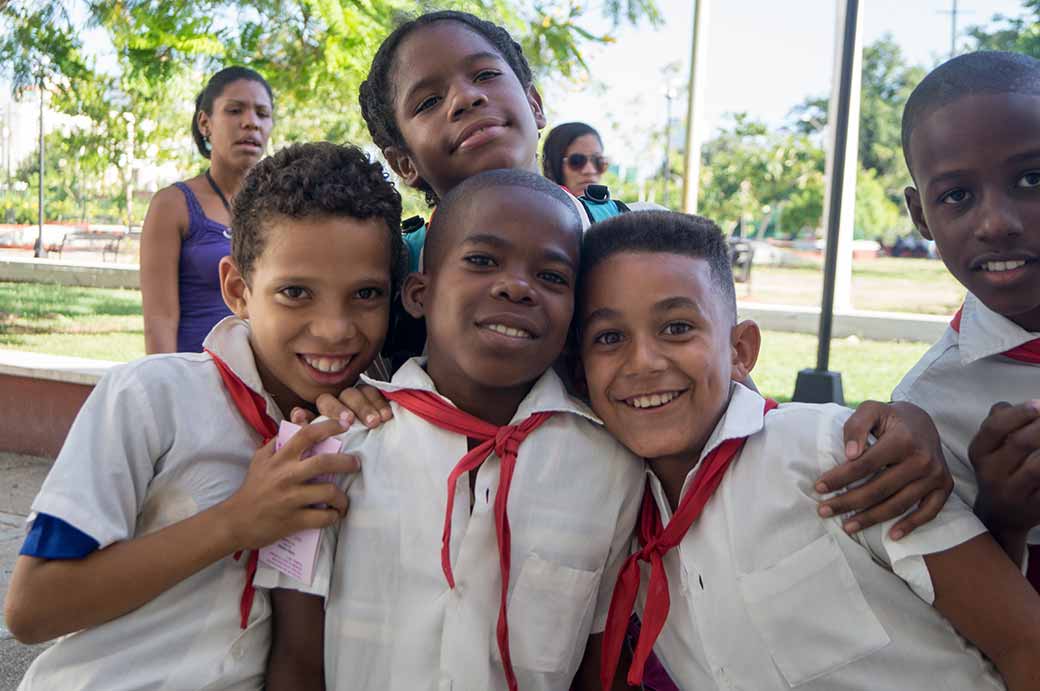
pixel 327 364
pixel 653 400
pixel 1003 266
pixel 509 331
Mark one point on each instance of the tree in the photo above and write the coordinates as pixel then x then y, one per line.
pixel 1017 34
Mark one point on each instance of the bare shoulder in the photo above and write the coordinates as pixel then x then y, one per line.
pixel 167 210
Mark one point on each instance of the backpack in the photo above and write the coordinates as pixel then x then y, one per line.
pixel 406 335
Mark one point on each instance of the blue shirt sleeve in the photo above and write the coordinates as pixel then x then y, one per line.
pixel 53 538
pixel 414 242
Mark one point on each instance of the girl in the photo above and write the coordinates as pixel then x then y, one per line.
pixel 573 157
pixel 186 230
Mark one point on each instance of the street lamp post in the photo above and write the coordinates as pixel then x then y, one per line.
pixel 38 249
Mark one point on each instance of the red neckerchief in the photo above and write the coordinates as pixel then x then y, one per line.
pixel 253 408
pixel 656 541
pixel 1027 352
pixel 505 442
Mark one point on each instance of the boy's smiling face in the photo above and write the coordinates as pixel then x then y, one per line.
pixel 460 108
pixel 318 303
pixel 498 297
pixel 659 350
pixel 976 164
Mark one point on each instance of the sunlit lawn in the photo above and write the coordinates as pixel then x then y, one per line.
pixel 107 325
pixel 885 284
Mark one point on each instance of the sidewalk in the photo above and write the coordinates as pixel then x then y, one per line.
pixel 20 480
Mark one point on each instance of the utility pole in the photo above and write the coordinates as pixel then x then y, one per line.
pixel 695 106
pixel 38 249
pixel 667 170
pixel 954 12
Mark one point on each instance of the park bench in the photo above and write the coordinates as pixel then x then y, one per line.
pixel 741 255
pixel 107 240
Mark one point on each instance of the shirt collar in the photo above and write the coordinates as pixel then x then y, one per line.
pixel 984 332
pixel 229 340
pixel 547 395
pixel 743 418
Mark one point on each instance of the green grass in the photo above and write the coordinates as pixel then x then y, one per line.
pixel 62 320
pixel 884 284
pixel 107 325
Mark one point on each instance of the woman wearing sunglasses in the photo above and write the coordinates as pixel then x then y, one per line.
pixel 573 157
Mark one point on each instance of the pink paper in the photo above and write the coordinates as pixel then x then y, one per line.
pixel 296 554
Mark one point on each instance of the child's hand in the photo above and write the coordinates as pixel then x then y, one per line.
pixel 363 402
pixel 907 460
pixel 1006 456
pixel 278 496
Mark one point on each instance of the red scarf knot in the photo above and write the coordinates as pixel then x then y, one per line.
pixel 253 409
pixel 505 442
pixel 656 540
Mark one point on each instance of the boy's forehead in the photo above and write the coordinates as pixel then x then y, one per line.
pixel 422 55
pixel 661 277
pixel 506 212
pixel 981 129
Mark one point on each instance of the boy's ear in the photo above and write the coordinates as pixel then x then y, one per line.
pixel 413 294
pixel 745 342
pixel 402 164
pixel 233 288
pixel 913 205
pixel 535 99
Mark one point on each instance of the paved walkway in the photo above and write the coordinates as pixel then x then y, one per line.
pixel 20 480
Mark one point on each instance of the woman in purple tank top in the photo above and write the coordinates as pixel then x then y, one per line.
pixel 186 231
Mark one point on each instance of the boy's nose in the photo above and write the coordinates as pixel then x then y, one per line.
pixel 466 97
pixel 334 329
pixel 514 289
pixel 644 356
pixel 999 219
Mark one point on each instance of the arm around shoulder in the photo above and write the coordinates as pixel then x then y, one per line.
pixel 161 236
pixel 297 659
pixel 988 601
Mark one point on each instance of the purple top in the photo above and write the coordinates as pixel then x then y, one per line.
pixel 198 277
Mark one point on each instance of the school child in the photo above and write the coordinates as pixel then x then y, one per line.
pixel 449 95
pixel 144 530
pixel 747 587
pixel 971 138
pixel 493 510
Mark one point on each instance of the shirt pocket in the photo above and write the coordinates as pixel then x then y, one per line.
pixel 548 608
pixel 811 613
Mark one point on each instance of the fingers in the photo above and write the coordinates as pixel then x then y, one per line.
pixel 887 449
pixel 377 401
pixel 928 509
pixel 860 424
pixel 324 495
pixel 308 436
pixel 316 519
pixel 331 407
pixel 1003 421
pixel 326 464
pixel 301 416
pixel 870 496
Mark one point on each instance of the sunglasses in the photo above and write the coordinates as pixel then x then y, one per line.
pixel 577 161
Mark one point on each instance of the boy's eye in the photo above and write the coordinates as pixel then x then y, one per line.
pixel 481 260
pixel 427 103
pixel 486 74
pixel 553 277
pixel 369 293
pixel 1030 179
pixel 294 292
pixel 954 196
pixel 676 329
pixel 607 338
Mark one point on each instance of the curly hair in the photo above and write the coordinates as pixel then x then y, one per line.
pixel 666 232
pixel 214 88
pixel 318 179
pixel 378 93
pixel 556 143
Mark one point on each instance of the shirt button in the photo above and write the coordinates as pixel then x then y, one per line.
pixel 236 651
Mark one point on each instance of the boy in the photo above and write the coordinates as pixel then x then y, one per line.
pixel 137 532
pixel 436 584
pixel 971 137
pixel 747 587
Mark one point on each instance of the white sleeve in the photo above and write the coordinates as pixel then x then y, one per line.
pixel 955 524
pixel 101 476
pixel 632 485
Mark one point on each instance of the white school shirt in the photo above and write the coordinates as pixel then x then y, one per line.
pixel 157 441
pixel 392 622
pixel 766 595
pixel 960 378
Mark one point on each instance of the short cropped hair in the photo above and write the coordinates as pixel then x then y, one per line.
pixel 667 232
pixel 378 92
pixel 465 191
pixel 981 72
pixel 313 180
